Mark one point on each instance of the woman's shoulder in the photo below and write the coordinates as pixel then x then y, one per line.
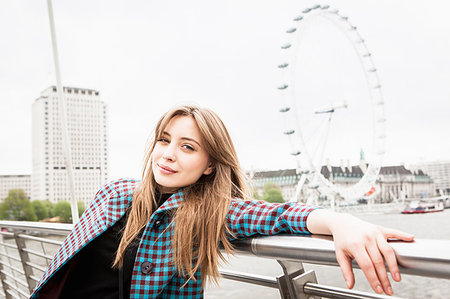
pixel 117 189
pixel 123 186
pixel 112 200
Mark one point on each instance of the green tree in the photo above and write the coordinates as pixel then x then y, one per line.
pixel 256 194
pixel 272 193
pixel 48 204
pixel 40 209
pixel 81 208
pixel 62 209
pixel 270 185
pixel 17 207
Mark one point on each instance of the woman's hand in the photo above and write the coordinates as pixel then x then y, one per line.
pixel 362 241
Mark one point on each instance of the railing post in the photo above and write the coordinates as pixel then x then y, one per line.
pixel 294 279
pixel 3 278
pixel 24 259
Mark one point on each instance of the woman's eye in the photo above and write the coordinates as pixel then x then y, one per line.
pixel 188 147
pixel 164 140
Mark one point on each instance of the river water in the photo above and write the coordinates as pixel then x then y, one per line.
pixel 424 226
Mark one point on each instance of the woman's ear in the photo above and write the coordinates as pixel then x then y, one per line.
pixel 209 169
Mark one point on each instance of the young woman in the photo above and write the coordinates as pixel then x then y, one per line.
pixel 160 237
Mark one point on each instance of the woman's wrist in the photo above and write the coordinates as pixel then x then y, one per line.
pixel 327 222
pixel 320 221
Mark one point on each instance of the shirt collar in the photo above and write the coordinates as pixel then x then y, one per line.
pixel 172 202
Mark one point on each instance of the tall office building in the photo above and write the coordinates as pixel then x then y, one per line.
pixel 87 120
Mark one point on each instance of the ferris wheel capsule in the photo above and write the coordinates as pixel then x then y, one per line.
pixel 289 132
pixel 291 30
pixel 285 109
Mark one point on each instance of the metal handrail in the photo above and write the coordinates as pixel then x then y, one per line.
pixel 45 227
pixel 42 240
pixel 8 234
pixel 422 257
pixel 262 280
pixel 337 293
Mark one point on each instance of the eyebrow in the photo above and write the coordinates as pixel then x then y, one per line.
pixel 183 138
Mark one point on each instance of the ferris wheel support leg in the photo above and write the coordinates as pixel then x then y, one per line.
pixel 312 198
pixel 298 189
pixel 332 202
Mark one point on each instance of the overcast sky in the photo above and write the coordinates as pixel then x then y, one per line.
pixel 146 56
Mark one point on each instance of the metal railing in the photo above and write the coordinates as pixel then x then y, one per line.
pixel 24 258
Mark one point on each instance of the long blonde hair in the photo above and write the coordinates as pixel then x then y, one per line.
pixel 200 220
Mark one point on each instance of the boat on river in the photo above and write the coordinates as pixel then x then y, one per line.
pixel 424 206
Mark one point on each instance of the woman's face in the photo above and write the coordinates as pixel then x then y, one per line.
pixel 179 158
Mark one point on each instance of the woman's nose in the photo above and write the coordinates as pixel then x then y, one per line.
pixel 169 155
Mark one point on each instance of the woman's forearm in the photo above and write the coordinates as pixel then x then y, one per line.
pixel 322 221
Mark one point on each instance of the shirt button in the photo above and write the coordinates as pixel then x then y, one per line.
pixel 157 222
pixel 146 267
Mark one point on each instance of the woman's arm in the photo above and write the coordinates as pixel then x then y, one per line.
pixel 362 241
pixel 249 217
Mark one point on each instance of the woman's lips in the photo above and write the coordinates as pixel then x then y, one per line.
pixel 166 170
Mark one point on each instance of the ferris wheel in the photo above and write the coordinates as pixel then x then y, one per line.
pixel 310 159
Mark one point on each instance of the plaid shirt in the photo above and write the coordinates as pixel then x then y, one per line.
pixel 154 274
